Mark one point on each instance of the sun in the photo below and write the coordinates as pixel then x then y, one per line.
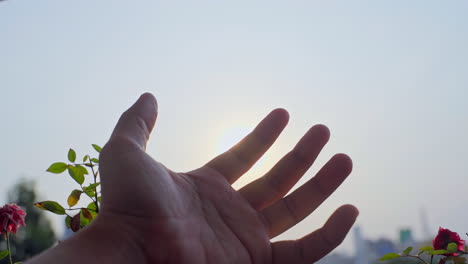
pixel 231 137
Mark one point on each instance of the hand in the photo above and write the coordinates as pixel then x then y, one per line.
pixel 154 215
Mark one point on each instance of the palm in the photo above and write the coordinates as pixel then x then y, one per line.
pixel 197 217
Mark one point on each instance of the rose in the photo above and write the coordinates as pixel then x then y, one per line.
pixel 444 237
pixel 445 241
pixel 11 218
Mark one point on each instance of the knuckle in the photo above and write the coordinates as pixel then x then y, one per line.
pixel 117 148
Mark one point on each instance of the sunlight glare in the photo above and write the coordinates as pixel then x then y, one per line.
pixel 231 137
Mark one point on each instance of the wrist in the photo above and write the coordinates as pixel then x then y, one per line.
pixel 104 241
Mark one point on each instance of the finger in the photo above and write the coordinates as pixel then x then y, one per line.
pixel 136 123
pixel 285 174
pixel 293 208
pixel 319 243
pixel 240 158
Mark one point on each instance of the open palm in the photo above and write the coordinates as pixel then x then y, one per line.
pixel 197 217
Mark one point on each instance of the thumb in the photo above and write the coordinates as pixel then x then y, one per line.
pixel 136 123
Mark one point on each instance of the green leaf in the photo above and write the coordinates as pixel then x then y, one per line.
pixel 51 206
pixel 74 197
pixel 85 158
pixel 4 254
pixel 94 185
pixel 407 251
pixel 95 160
pixel 89 192
pixel 389 256
pixel 57 167
pixel 68 220
pixel 437 252
pixel 96 147
pixel 19 262
pixel 91 189
pixel 71 155
pixel 76 174
pixel 452 247
pixel 92 206
pixel 424 249
pixel 82 169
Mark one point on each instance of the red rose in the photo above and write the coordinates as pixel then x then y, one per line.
pixel 444 237
pixel 11 218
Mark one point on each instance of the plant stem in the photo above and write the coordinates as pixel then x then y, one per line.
pixel 8 246
pixel 92 198
pixel 95 193
pixel 72 209
pixel 422 260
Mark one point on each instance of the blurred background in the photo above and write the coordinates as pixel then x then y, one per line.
pixel 389 78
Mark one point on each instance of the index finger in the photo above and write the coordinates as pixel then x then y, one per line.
pixel 239 159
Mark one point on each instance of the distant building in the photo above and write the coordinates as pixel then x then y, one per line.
pixel 383 246
pixel 368 251
pixel 335 258
pixel 406 238
pixel 361 254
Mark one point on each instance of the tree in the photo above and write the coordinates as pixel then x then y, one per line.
pixel 38 234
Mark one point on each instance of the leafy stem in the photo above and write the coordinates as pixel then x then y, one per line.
pixel 95 193
pixel 77 172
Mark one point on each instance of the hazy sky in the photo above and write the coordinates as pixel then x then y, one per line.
pixel 390 79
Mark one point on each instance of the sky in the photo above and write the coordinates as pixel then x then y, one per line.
pixel 389 78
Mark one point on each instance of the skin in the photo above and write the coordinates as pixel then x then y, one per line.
pixel 153 215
